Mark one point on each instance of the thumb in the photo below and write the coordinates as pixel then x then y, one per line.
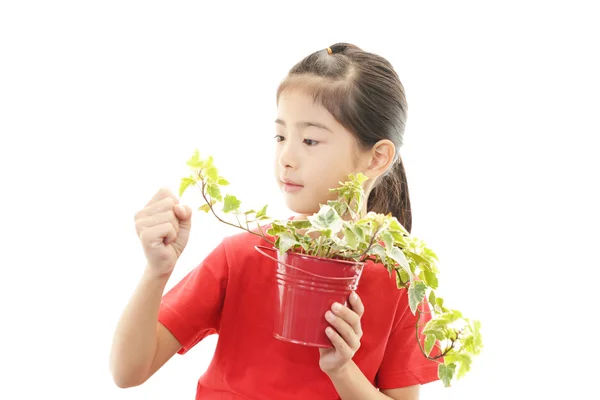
pixel 184 214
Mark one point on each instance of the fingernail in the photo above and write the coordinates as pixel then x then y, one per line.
pixel 329 316
pixel 336 307
pixel 354 296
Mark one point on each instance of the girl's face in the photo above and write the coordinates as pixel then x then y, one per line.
pixel 313 153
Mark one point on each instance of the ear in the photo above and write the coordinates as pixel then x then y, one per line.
pixel 382 157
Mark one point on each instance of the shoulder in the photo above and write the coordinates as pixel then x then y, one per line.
pixel 379 292
pixel 377 279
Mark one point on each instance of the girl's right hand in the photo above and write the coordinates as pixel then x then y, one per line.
pixel 163 227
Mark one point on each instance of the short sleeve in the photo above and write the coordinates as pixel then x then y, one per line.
pixel 191 310
pixel 403 362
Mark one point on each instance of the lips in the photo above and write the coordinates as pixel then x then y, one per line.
pixel 290 186
pixel 290 183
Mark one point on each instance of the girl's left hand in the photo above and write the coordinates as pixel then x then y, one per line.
pixel 345 337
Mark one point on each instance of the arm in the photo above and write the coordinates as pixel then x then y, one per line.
pixel 351 384
pixel 349 381
pixel 141 345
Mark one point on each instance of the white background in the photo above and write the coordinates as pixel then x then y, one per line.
pixel 101 104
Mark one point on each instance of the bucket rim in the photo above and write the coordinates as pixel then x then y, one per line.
pixel 316 282
pixel 261 249
pixel 361 263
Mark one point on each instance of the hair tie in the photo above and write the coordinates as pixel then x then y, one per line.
pixel 329 51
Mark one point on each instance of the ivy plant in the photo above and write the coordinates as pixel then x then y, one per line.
pixel 338 231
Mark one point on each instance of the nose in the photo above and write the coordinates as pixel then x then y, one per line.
pixel 288 156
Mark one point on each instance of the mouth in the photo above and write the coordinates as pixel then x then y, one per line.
pixel 291 183
pixel 290 186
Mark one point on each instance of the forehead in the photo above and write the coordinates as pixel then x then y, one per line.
pixel 296 106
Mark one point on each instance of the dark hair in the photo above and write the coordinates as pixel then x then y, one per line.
pixel 364 94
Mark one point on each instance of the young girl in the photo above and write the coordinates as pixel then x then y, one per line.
pixel 341 110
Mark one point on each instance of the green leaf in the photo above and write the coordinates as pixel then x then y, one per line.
pixel 360 178
pixel 326 219
pixel 214 191
pixel 379 251
pixel 276 229
pixel 339 206
pixel 326 233
pixel 429 343
pixel 430 278
pixel 222 181
pixel 204 207
pixel 212 174
pixel 399 238
pixel 209 162
pixel 195 161
pixel 185 184
pixel 440 322
pixel 463 360
pixel 418 259
pixel 439 302
pixel 473 343
pixel 300 224
pixel 416 294
pixel 388 240
pixel 262 212
pixel 343 209
pixel 286 241
pixel 231 203
pixel 395 225
pixel 446 372
pixel 432 298
pixel 429 253
pixel 478 343
pixel 398 256
pixel 402 278
pixel 350 237
pixel 358 231
pixel 438 333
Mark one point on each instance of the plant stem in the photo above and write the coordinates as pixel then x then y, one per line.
pixel 203 192
pixel 319 248
pixel 444 353
pixel 371 243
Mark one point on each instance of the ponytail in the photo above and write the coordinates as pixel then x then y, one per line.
pixel 390 194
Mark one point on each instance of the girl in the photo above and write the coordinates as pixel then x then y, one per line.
pixel 340 110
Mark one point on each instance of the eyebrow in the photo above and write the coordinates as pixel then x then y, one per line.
pixel 304 124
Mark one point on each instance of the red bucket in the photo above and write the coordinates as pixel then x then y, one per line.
pixel 307 287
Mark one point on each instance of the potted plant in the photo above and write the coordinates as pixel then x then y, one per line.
pixel 307 251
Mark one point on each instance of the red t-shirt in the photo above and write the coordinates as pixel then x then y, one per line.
pixel 232 293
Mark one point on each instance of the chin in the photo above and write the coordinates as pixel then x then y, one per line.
pixel 299 208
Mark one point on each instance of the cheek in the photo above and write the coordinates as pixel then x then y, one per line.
pixel 276 157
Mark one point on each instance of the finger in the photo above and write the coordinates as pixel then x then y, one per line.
pixel 339 343
pixel 165 204
pixel 357 305
pixel 344 329
pixel 158 234
pixel 157 219
pixel 182 212
pixel 161 194
pixel 348 315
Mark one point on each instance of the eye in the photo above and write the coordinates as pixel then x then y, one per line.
pixel 310 142
pixel 279 138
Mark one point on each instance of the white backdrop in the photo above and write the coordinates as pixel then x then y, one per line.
pixel 101 104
